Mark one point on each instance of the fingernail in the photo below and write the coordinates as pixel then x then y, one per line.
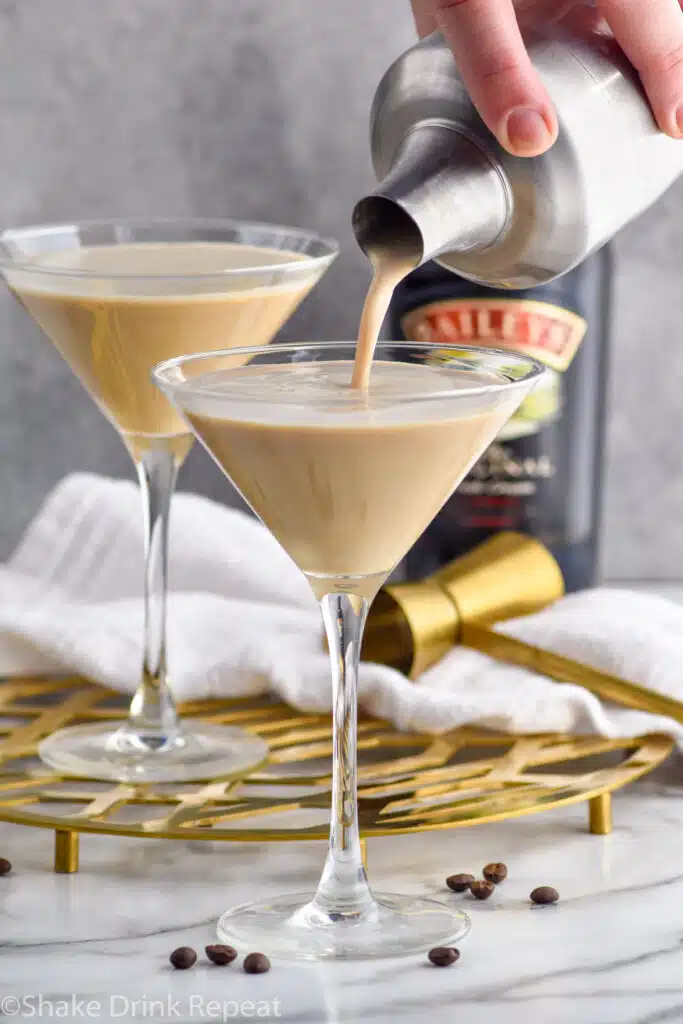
pixel 527 131
pixel 678 119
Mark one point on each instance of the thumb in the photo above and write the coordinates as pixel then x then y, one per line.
pixel 425 21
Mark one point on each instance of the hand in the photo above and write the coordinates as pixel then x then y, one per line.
pixel 485 38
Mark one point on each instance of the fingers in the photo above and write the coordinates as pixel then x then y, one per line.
pixel 651 36
pixel 485 39
pixel 423 12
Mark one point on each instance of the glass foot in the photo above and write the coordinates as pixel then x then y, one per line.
pixel 114 752
pixel 293 928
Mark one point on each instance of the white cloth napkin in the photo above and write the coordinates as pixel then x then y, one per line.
pixel 242 621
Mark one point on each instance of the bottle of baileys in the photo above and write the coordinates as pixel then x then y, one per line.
pixel 543 474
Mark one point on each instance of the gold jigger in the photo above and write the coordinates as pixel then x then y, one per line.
pixel 412 625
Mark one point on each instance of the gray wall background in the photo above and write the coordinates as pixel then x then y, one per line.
pixel 258 109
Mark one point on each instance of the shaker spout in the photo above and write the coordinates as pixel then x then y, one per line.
pixel 443 193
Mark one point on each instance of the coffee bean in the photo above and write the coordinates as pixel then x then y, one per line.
pixel 256 963
pixel 459 883
pixel 183 958
pixel 5 866
pixel 443 956
pixel 482 889
pixel 544 895
pixel 221 955
pixel 495 873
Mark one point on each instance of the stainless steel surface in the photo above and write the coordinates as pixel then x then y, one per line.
pixel 439 185
pixel 450 191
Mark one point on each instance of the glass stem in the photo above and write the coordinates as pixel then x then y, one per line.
pixel 152 712
pixel 344 888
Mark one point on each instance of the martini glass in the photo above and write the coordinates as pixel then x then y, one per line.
pixel 116 297
pixel 346 480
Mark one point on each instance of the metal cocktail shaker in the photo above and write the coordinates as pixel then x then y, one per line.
pixel 450 192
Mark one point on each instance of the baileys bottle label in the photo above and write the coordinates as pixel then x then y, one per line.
pixel 539 329
pixel 510 470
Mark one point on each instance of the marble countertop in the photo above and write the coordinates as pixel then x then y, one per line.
pixel 94 943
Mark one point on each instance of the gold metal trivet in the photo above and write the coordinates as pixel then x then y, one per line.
pixel 407 783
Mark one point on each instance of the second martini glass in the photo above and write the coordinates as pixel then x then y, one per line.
pixel 116 297
pixel 346 480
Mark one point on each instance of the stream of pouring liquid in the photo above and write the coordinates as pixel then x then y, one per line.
pixel 388 272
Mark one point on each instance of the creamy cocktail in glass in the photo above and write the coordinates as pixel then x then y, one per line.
pixel 346 479
pixel 115 298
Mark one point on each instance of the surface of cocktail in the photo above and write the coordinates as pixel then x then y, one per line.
pixel 125 308
pixel 346 480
